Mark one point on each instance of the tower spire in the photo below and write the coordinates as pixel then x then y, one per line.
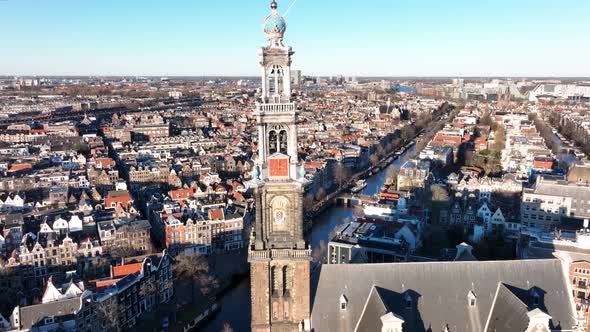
pixel 279 256
pixel 274 27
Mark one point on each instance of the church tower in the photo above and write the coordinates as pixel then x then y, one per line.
pixel 279 256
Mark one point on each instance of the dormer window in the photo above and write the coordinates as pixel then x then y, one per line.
pixel 408 300
pixel 472 299
pixel 536 296
pixel 343 302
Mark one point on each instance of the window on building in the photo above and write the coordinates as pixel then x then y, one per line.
pixel 286 280
pixel 408 300
pixel 409 304
pixel 273 279
pixel 343 302
pixel 283 141
pixel 272 142
pixel 471 298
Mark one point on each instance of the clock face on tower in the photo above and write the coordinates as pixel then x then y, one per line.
pixel 278 167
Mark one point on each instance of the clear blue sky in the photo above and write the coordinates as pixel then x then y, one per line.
pixel 351 37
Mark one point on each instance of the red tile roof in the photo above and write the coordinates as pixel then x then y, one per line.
pixel 238 196
pixel 113 202
pixel 106 283
pixel 180 194
pixel 176 214
pixel 124 270
pixel 104 162
pixel 19 167
pixel 216 214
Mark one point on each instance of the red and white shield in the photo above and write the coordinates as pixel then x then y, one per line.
pixel 279 216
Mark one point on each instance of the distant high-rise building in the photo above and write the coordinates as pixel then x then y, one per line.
pixel 296 77
pixel 175 94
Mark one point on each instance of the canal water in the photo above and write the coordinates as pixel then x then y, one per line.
pixel 235 304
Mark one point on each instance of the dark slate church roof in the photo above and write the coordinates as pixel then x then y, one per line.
pixel 434 295
pixel 509 313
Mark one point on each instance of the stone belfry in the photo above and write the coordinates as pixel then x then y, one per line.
pixel 279 256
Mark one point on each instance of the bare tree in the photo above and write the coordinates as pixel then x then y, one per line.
pixel 391 175
pixel 341 174
pixel 500 138
pixel 195 270
pixel 439 193
pixel 374 159
pixel 407 133
pixel 321 194
pixel 308 203
pixel 107 314
pixel 8 295
pixel 227 327
pixel 486 119
pixel 149 291
pixel 380 151
pixel 122 251
pixel 319 253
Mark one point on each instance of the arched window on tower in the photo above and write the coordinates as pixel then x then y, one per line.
pixel 283 141
pixel 286 281
pixel 273 280
pixel 270 81
pixel 275 81
pixel 272 142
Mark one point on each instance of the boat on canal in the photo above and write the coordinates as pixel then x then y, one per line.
pixel 379 211
pixel 358 186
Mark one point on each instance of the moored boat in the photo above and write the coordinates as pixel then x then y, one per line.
pixel 358 186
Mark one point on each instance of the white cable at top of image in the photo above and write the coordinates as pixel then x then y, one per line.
pixel 289 8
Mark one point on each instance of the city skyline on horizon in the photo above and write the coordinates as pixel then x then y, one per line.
pixel 518 40
pixel 254 78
